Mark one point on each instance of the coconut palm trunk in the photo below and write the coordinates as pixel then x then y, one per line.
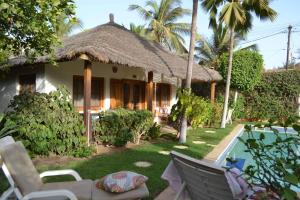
pixel 227 90
pixel 183 129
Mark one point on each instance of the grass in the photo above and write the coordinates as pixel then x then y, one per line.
pixel 98 166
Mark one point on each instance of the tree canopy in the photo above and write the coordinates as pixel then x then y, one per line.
pixel 163 25
pixel 247 68
pixel 208 50
pixel 30 27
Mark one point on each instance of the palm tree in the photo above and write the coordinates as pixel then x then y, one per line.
pixel 183 129
pixel 163 25
pixel 65 27
pixel 138 29
pixel 208 51
pixel 237 16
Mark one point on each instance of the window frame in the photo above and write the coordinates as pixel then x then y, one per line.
pixel 102 92
pixel 22 76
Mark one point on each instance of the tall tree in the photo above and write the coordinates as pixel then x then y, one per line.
pixel 163 25
pixel 30 26
pixel 138 29
pixel 66 26
pixel 208 51
pixel 237 16
pixel 188 81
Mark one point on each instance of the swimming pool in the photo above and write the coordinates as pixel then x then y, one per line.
pixel 236 149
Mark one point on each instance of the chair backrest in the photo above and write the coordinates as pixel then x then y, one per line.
pixel 203 181
pixel 20 167
pixel 3 143
pixel 6 141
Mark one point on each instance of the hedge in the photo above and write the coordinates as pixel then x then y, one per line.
pixel 275 96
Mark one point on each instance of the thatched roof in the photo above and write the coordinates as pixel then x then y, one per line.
pixel 112 43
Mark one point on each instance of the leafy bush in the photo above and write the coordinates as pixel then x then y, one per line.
pixel 48 123
pixel 7 127
pixel 112 126
pixel 197 110
pixel 247 68
pixel 277 165
pixel 275 97
pixel 154 131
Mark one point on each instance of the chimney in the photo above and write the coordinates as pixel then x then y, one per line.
pixel 111 18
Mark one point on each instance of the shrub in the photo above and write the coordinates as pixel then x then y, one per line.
pixel 154 131
pixel 141 123
pixel 247 68
pixel 197 110
pixel 112 126
pixel 276 165
pixel 7 127
pixel 48 123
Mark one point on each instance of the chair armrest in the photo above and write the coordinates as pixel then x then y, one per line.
pixel 50 193
pixel 61 173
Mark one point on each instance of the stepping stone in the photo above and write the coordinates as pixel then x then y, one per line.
pixel 180 147
pixel 164 152
pixel 199 142
pixel 143 164
pixel 210 131
pixel 211 145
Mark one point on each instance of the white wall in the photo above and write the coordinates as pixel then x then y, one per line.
pixel 9 84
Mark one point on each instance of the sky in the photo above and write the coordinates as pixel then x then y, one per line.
pixel 273 48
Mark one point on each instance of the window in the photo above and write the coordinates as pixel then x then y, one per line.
pixel 163 94
pixel 97 92
pixel 27 83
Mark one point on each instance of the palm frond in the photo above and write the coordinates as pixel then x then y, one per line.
pixel 145 14
pixel 176 13
pixel 233 14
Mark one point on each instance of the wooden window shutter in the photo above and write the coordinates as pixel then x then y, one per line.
pixel 116 94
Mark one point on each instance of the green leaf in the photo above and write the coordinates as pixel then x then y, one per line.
pixel 292 179
pixel 3 6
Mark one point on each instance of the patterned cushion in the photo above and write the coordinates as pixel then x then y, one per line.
pixel 121 181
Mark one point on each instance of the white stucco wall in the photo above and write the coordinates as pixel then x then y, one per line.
pixel 9 84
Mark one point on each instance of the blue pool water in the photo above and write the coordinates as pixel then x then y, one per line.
pixel 236 149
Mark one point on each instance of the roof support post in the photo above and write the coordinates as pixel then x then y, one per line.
pixel 87 98
pixel 150 92
pixel 212 92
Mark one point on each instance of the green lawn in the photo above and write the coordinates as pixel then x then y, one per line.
pixel 98 166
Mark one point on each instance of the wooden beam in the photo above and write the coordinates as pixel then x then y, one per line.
pixel 212 92
pixel 87 97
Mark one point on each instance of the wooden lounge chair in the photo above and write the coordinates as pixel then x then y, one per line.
pixel 202 180
pixel 27 184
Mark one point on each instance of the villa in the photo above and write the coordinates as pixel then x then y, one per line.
pixel 104 68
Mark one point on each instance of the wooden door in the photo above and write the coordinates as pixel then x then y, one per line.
pixel 129 94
